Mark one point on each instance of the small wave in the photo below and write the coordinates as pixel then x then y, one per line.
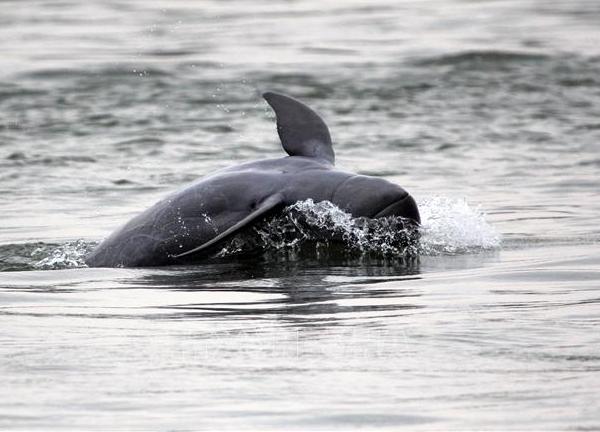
pixel 144 141
pixel 170 53
pixel 482 58
pixel 105 73
pixel 21 158
pixel 19 92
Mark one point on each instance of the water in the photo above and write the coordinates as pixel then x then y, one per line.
pixel 487 112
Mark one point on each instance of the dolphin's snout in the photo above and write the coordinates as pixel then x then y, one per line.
pixel 405 207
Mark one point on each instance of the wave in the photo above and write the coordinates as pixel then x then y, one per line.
pixel 106 72
pixel 482 57
pixel 21 158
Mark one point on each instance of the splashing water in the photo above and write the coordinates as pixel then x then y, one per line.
pixel 324 225
pixel 67 255
pixel 451 226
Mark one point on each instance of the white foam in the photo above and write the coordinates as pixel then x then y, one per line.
pixel 67 255
pixel 451 226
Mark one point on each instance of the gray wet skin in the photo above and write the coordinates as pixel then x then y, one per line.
pixel 190 223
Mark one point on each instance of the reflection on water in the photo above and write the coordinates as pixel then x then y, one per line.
pixel 292 288
pixel 269 343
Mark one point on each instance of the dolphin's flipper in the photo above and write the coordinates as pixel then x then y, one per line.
pixel 267 205
pixel 301 130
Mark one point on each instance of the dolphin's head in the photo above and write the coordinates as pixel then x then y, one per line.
pixel 373 197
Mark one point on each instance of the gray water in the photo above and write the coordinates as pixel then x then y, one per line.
pixel 488 112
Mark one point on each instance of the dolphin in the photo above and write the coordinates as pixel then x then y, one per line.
pixel 189 224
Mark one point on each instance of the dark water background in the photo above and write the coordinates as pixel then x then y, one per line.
pixel 473 106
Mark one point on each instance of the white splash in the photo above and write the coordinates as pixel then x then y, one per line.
pixel 327 226
pixel 67 255
pixel 448 227
pixel 451 226
pixel 388 236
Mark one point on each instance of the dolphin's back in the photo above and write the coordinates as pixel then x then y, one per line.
pixel 203 210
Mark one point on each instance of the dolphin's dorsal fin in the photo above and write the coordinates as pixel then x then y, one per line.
pixel 301 130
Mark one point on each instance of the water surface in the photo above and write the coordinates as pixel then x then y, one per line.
pixel 488 107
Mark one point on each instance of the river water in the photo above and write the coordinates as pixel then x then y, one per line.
pixel 488 112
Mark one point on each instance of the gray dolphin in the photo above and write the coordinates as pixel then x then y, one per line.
pixel 190 223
